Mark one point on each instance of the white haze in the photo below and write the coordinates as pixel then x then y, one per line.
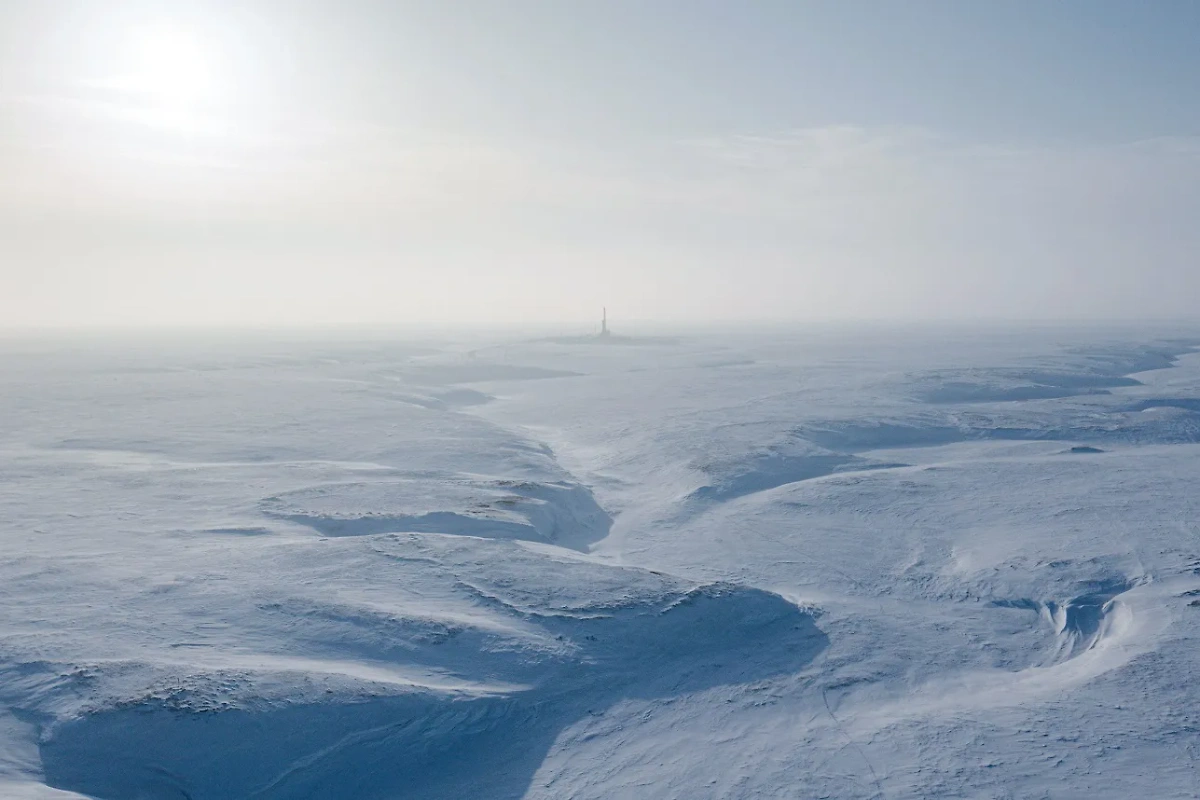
pixel 205 164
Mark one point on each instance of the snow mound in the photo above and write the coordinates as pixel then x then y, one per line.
pixel 558 640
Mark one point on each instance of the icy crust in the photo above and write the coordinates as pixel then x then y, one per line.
pixel 516 646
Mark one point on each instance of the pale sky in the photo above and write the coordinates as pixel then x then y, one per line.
pixel 302 162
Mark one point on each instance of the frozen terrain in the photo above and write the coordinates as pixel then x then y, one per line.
pixel 826 563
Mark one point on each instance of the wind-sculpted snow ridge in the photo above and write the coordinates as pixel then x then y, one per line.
pixel 1099 371
pixel 1191 404
pixel 554 640
pixel 1149 420
pixel 440 399
pixel 776 466
pixel 1080 622
pixel 999 404
pixel 1152 422
pixel 459 372
pixel 1081 604
pixel 559 513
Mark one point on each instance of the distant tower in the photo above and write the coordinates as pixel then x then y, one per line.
pixel 604 324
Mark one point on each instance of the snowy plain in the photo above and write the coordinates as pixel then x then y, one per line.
pixel 821 563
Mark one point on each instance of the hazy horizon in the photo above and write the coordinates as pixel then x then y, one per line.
pixel 499 164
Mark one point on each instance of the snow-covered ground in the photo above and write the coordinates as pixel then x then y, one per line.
pixel 828 563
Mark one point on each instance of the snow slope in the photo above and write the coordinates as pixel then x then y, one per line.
pixel 824 563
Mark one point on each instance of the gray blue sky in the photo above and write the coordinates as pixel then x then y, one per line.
pixel 368 162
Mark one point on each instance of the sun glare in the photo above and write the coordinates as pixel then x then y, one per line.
pixel 171 67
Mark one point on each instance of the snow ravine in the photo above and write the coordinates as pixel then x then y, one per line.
pixel 825 563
